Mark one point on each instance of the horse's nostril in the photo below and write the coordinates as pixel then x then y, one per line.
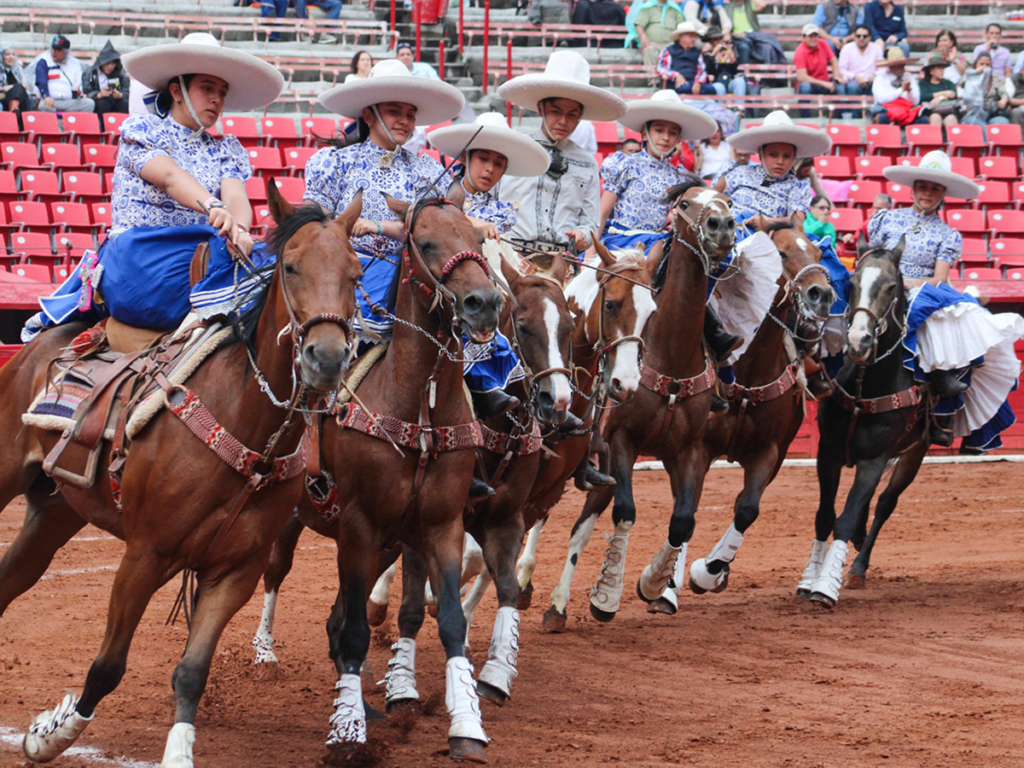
pixel 473 303
pixel 545 401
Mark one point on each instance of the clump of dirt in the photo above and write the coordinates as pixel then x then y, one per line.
pixel 372 754
pixel 432 704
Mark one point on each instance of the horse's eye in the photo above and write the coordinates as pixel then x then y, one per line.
pixel 524 329
pixel 610 307
pixel 289 269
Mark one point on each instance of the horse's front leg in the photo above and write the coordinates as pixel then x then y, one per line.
pixel 401 677
pixel 829 466
pixel 528 563
pixel 281 557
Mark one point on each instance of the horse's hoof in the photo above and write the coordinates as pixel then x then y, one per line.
pixel 823 600
pixel 803 594
pixel 470 750
pixel 696 588
pixel 854 581
pixel 397 705
pixel 554 621
pixel 376 614
pixel 602 616
pixel 492 694
pixel 432 610
pixel 525 597
pixel 661 605
pixel 722 587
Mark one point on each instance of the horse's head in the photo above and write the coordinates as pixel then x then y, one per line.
pixel 876 293
pixel 317 270
pixel 443 256
pixel 801 264
pixel 702 220
pixel 612 307
pixel 542 329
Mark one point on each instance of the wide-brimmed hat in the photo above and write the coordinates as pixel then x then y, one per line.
pixel 525 156
pixel 252 82
pixel 934 61
pixel 566 76
pixel 666 105
pixel 894 56
pixel 777 128
pixel 684 27
pixel 936 168
pixel 714 32
pixel 391 80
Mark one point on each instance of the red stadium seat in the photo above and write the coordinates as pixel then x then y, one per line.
pixel 924 138
pixel 279 132
pixel 265 161
pixel 18 156
pixel 324 127
pixel 63 157
pixel 975 247
pixel 41 186
pixel 61 272
pixel 9 187
pixel 1006 222
pixel 40 125
pixel 242 128
pixel 100 215
pixel 32 246
pixel 295 159
pixel 100 157
pixel 9 130
pixel 966 140
pixel 995 193
pixel 1015 273
pixel 846 219
pixel 832 167
pixel 965 166
pixel 982 273
pixel 967 222
pixel 39 273
pixel 607 135
pixel 291 189
pixel 108 184
pixel 846 139
pixel 256 189
pixel 1009 251
pixel 1005 137
pixel 863 193
pixel 33 217
pixel 871 167
pixel 884 140
pixel 974 261
pixel 72 245
pixel 73 217
pixel 84 187
pixel 112 124
pixel 1004 168
pixel 900 193
pixel 79 125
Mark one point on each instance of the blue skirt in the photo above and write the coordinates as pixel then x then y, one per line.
pixel 624 240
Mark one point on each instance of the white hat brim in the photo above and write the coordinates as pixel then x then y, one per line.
pixel 527 91
pixel 955 184
pixel 252 82
pixel 525 156
pixel 435 101
pixel 694 124
pixel 809 142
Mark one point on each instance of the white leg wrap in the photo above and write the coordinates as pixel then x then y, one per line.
pixel 53 731
pixel 577 542
pixel 263 642
pixel 401 676
pixel 813 568
pixel 727 546
pixel 500 669
pixel 180 743
pixel 831 577
pixel 656 576
pixel 606 594
pixel 462 701
pixel 348 723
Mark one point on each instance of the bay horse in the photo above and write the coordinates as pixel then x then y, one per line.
pixel 876 414
pixel 402 458
pixel 766 402
pixel 668 415
pixel 182 506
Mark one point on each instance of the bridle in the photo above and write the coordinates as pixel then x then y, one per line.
pixel 881 322
pixel 704 249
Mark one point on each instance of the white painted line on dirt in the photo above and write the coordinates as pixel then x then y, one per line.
pixel 13 737
pixel 1011 458
pixel 77 571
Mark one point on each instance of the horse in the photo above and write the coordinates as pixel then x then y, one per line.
pixel 182 506
pixel 401 456
pixel 669 413
pixel 876 414
pixel 766 401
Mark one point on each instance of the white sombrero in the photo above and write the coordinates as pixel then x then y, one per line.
pixel 391 81
pixel 566 76
pixel 684 27
pixel 525 156
pixel 779 129
pixel 252 82
pixel 934 167
pixel 666 105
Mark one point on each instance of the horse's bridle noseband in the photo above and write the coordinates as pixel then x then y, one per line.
pixel 696 226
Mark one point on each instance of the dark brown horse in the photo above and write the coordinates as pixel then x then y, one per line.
pixel 178 499
pixel 413 400
pixel 669 414
pixel 766 403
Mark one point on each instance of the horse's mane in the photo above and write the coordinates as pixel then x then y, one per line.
pixel 779 225
pixel 309 213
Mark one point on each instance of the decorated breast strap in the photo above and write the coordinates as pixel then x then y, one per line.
pixel 505 443
pixel 675 389
pixel 906 398
pixel 735 392
pixel 432 440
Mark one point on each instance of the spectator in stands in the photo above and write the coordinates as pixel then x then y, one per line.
pixel 956 63
pixel 654 25
pixel 888 24
pixel 418 68
pixel 683 65
pixel 722 67
pixel 981 92
pixel 277 9
pixel 1018 64
pixel 630 147
pixel 804 170
pixel 360 67
pixel 1002 60
pixel 713 154
pixel 897 94
pixel 881 203
pixel 1016 103
pixel 599 13
pixel 818 224
pixel 15 96
pixel 106 82
pixel 938 93
pixel 837 20
pixel 738 158
pixel 59 80
pixel 706 13
pixel 817 68
pixel 333 10
pixel 857 63
pixel 548 12
pixel 743 14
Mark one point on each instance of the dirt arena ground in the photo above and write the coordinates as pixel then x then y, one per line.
pixel 924 668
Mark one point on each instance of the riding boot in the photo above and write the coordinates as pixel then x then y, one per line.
pixel 945 384
pixel 493 403
pixel 942 430
pixel 718 405
pixel 571 424
pixel 718 340
pixel 588 477
pixel 818 383
pixel 478 489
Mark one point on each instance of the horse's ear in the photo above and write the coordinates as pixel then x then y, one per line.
pixel 398 207
pixel 352 212
pixel 897 253
pixel 456 194
pixel 862 245
pixel 510 274
pixel 280 208
pixel 605 255
pixel 559 268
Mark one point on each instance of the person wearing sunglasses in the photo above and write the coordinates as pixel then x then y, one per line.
pixel 857 64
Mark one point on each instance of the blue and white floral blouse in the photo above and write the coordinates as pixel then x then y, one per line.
pixel 640 182
pixel 929 239
pixel 753 191
pixel 209 159
pixel 334 176
pixel 486 207
pixel 612 163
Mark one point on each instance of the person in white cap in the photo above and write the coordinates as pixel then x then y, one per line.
pixel 947 330
pixel 559 210
pixel 175 186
